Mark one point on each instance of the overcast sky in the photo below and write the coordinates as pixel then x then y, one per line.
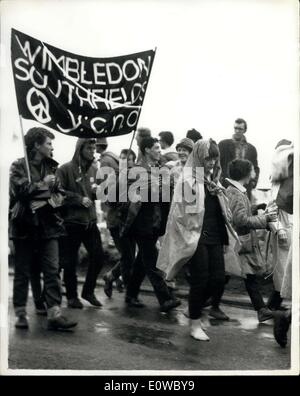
pixel 215 61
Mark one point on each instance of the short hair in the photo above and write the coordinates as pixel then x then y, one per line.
pixel 144 132
pixel 213 150
pixel 167 137
pixel 147 142
pixel 36 135
pixel 241 121
pixel 238 169
pixel 129 152
pixel 194 135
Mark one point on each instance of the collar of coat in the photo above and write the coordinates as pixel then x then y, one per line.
pixel 243 139
pixel 236 184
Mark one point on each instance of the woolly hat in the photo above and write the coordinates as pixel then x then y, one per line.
pixel 101 142
pixel 186 143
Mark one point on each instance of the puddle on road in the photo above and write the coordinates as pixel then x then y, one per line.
pixel 101 328
pixel 230 322
pixel 266 335
pixel 145 336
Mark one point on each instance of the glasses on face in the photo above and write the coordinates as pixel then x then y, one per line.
pixel 237 128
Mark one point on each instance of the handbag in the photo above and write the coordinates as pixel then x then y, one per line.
pixel 246 243
pixel 231 257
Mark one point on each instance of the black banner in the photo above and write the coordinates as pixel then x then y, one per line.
pixel 77 95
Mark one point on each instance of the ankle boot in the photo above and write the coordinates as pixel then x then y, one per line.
pixel 197 331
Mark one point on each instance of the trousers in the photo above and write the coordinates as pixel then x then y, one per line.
pixel 207 277
pixel 26 254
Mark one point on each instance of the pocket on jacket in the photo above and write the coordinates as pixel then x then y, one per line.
pixel 246 244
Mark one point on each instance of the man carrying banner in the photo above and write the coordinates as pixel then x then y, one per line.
pixel 35 226
pixel 78 178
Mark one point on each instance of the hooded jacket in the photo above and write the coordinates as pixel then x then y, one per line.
pixel 77 182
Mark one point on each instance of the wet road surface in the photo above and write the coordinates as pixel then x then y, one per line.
pixel 116 337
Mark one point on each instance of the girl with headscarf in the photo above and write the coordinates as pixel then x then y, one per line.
pixel 197 231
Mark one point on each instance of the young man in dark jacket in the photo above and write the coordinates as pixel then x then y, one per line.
pixel 145 221
pixel 238 148
pixel 78 178
pixel 35 226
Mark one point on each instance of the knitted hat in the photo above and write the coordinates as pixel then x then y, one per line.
pixel 186 143
pixel 101 142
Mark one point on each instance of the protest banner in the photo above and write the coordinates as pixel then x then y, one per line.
pixel 76 95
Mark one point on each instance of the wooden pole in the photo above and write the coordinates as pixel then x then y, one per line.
pixel 142 102
pixel 25 150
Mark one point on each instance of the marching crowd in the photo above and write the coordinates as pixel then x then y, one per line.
pixel 209 237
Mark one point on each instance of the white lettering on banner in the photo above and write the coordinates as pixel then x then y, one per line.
pixel 136 114
pixel 38 105
pixel 59 88
pixel 142 65
pixel 19 67
pixel 46 80
pixel 72 70
pixel 108 72
pixel 59 61
pixel 70 93
pixel 137 70
pixel 134 98
pixel 97 73
pixel 45 59
pixel 98 97
pixel 74 126
pixel 115 119
pixel 117 98
pixel 124 94
pixel 83 73
pixel 85 99
pixel 27 50
pixel 34 82
pixel 96 120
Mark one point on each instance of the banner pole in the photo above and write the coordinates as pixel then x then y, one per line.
pixel 25 151
pixel 131 142
pixel 142 103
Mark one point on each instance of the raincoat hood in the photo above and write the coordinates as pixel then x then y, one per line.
pixel 198 155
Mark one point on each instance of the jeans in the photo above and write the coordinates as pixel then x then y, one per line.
pixel 69 247
pixel 145 264
pixel 207 277
pixel 36 281
pixel 252 287
pixel 126 245
pixel 25 256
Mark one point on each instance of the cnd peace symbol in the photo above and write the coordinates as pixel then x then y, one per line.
pixel 38 105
